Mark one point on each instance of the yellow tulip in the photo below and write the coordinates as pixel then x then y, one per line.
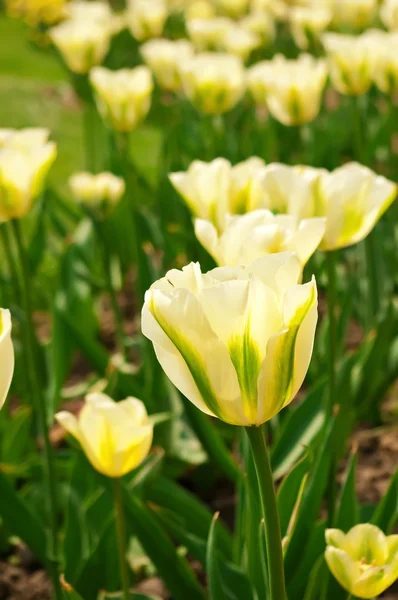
pixel 350 62
pixel 25 159
pixel 236 341
pixel 211 190
pixel 163 57
pixel 6 354
pixel 100 193
pixel 82 44
pixel 199 9
pixel 352 198
pixel 308 23
pixel 384 59
pixel 146 18
pixel 389 14
pixel 248 237
pixel 294 92
pixel 214 83
pixel 233 8
pixel 237 40
pixel 364 561
pixel 123 97
pixel 115 436
pixel 356 14
pixel 207 34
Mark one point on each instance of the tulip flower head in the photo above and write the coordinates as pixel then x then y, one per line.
pixel 384 59
pixel 123 97
pixel 295 92
pixel 233 8
pixel 350 63
pixel 6 354
pixel 199 9
pixel 262 24
pixel 355 14
pixel 82 44
pixel 211 190
pixel 25 159
pixel 248 237
pixel 115 436
pixel 93 11
pixel 236 341
pixel 214 83
pixel 146 18
pixel 308 23
pixel 37 12
pixel 389 14
pixel 163 57
pixel 100 193
pixel 207 34
pixel 239 41
pixel 260 77
pixel 364 561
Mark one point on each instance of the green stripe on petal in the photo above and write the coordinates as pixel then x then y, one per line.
pixel 247 360
pixel 195 364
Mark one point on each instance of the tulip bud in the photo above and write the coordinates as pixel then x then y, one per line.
pixel 364 561
pixel 350 62
pixel 115 436
pixel 211 190
pixel 214 83
pixel 163 57
pixel 356 14
pixel 146 18
pixel 82 44
pixel 389 14
pixel 353 198
pixel 236 341
pixel 248 237
pixel 123 97
pixel 308 23
pixel 100 193
pixel 207 34
pixel 294 92
pixel 6 354
pixel 25 159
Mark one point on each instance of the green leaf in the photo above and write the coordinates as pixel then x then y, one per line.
pixel 216 590
pixel 312 548
pixel 289 490
pixel 20 520
pixel 316 580
pixel 348 515
pixel 386 514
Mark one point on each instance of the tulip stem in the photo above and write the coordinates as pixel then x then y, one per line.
pixel 89 135
pixel 121 537
pixel 39 404
pixel 276 575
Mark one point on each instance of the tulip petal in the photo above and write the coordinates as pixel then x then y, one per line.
pixel 372 583
pixel 366 542
pixel 206 233
pixel 6 355
pixel 307 238
pixel 335 537
pixel 69 422
pixel 278 271
pixel 343 568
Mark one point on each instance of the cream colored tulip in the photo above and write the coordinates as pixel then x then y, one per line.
pixel 364 561
pixel 82 44
pixel 236 341
pixel 384 59
pixel 6 354
pixel 123 97
pixel 214 83
pixel 233 8
pixel 259 79
pixel 308 23
pixel 261 24
pixel 207 34
pixel 146 18
pixel 277 8
pixel 93 11
pixel 389 14
pixel 350 62
pixel 352 198
pixel 164 57
pixel 24 165
pixel 200 9
pixel 356 14
pixel 240 42
pixel 100 193
pixel 24 139
pixel 248 237
pixel 115 436
pixel 211 190
pixel 294 92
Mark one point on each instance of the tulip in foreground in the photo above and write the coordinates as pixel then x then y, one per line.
pixel 250 236
pixel 6 354
pixel 236 342
pixel 364 561
pixel 214 83
pixel 115 436
pixel 123 97
pixel 100 193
